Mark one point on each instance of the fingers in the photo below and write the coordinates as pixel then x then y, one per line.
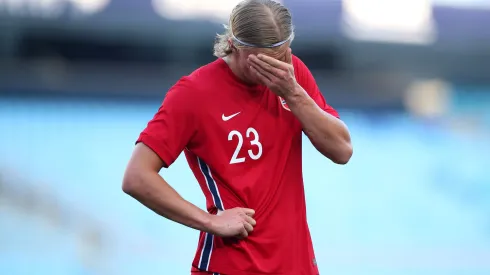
pixel 247 216
pixel 239 221
pixel 248 227
pixel 264 66
pixel 248 211
pixel 262 71
pixel 272 61
pixel 250 220
pixel 243 234
pixel 263 77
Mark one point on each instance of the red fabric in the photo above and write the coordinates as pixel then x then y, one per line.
pixel 173 126
pixel 196 271
pixel 244 147
pixel 307 81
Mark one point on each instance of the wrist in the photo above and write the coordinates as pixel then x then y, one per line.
pixel 207 222
pixel 297 95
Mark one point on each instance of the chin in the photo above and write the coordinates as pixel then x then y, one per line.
pixel 254 80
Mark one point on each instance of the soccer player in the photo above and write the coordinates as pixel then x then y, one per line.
pixel 239 121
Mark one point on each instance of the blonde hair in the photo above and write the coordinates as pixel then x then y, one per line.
pixel 257 23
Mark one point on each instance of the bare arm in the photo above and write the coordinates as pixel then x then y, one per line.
pixel 328 134
pixel 142 182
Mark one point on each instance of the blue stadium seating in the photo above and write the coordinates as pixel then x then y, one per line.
pixel 415 199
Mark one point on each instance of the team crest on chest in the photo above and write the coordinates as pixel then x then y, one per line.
pixel 284 104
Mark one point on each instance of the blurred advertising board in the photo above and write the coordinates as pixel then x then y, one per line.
pixel 449 20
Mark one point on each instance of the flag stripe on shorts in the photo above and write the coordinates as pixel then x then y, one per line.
pixel 207 248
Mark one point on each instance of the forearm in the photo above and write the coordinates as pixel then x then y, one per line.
pixel 150 189
pixel 327 133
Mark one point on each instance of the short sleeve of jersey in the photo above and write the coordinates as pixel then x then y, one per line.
pixel 307 81
pixel 173 126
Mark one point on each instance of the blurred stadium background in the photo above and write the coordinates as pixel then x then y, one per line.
pixel 79 79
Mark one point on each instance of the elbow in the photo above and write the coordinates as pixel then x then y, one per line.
pixel 344 154
pixel 131 182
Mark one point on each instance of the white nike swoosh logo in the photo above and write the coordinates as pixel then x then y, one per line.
pixel 226 118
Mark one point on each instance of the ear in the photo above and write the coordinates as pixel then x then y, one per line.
pixel 230 45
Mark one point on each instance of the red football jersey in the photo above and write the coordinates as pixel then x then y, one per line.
pixel 243 145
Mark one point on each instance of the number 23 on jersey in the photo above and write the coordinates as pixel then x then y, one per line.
pixel 251 137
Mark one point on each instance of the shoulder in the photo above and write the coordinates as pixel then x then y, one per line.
pixel 203 80
pixel 298 64
pixel 191 87
pixel 183 89
pixel 182 97
pixel 302 73
pixel 191 91
pixel 208 74
pixel 300 69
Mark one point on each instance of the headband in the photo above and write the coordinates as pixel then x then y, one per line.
pixel 262 46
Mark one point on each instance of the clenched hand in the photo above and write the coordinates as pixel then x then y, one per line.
pixel 236 222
